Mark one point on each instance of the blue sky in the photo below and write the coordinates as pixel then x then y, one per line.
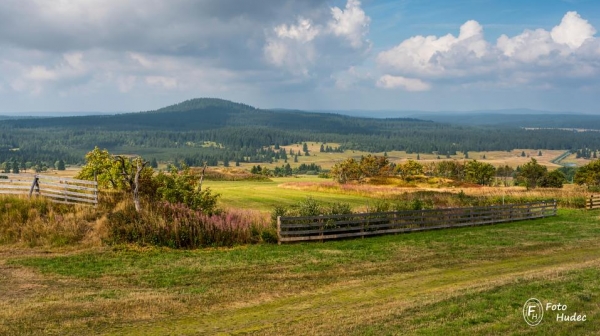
pixel 111 55
pixel 395 20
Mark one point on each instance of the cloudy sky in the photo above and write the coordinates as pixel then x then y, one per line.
pixel 433 55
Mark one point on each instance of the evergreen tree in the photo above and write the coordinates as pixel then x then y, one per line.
pixel 15 167
pixel 61 165
pixel 295 158
pixel 154 163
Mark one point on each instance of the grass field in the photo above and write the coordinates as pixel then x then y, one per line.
pixel 470 281
pixel 265 195
pixel 497 158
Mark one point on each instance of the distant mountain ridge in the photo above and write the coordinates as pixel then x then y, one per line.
pixel 212 113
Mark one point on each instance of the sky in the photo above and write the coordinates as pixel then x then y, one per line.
pixel 404 55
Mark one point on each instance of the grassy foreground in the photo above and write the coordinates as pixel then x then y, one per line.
pixel 460 281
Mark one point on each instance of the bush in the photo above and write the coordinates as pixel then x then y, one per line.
pixel 182 187
pixel 178 226
pixel 309 207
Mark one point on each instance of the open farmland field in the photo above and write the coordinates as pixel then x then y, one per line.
pixel 497 158
pixel 265 195
pixel 460 281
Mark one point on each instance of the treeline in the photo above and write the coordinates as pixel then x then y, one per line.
pixel 531 174
pixel 287 170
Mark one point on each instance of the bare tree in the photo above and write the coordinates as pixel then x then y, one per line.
pixel 202 176
pixel 132 177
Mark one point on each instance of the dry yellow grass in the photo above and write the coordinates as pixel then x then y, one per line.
pixel 497 158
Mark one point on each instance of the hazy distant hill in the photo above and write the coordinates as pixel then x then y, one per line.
pixel 518 120
pixel 510 117
pixel 210 113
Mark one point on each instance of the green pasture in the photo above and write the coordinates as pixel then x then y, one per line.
pixel 468 281
pixel 264 196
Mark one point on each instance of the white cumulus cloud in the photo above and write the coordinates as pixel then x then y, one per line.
pixel 351 23
pixel 573 31
pixel 538 58
pixel 408 84
pixel 296 47
pixel 426 54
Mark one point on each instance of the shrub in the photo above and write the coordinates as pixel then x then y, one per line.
pixel 178 226
pixel 182 187
pixel 309 207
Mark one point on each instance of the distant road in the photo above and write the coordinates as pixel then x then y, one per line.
pixel 561 157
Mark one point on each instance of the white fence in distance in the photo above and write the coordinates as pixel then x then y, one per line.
pixel 57 189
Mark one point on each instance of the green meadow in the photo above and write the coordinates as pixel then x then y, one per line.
pixel 468 281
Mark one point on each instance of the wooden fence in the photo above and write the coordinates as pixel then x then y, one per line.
pixel 291 229
pixel 58 189
pixel 593 202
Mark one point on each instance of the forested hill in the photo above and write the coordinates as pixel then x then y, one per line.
pixel 209 114
pixel 555 120
pixel 217 130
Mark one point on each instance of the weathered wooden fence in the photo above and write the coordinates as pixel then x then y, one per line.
pixel 291 229
pixel 593 202
pixel 57 189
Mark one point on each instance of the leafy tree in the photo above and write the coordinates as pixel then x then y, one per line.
pixel 184 188
pixel 532 172
pixel 588 174
pixel 554 179
pixel 409 168
pixel 349 170
pixel 118 172
pixel 479 172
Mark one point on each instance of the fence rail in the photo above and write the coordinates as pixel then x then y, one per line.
pixel 593 202
pixel 291 229
pixel 57 189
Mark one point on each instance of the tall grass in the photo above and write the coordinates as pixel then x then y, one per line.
pixel 568 197
pixel 37 221
pixel 177 226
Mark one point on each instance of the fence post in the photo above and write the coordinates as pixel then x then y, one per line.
pixel 322 228
pixel 33 185
pixel 65 182
pixel 96 189
pixel 278 230
pixel 544 209
pixel 591 202
pixel 555 206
